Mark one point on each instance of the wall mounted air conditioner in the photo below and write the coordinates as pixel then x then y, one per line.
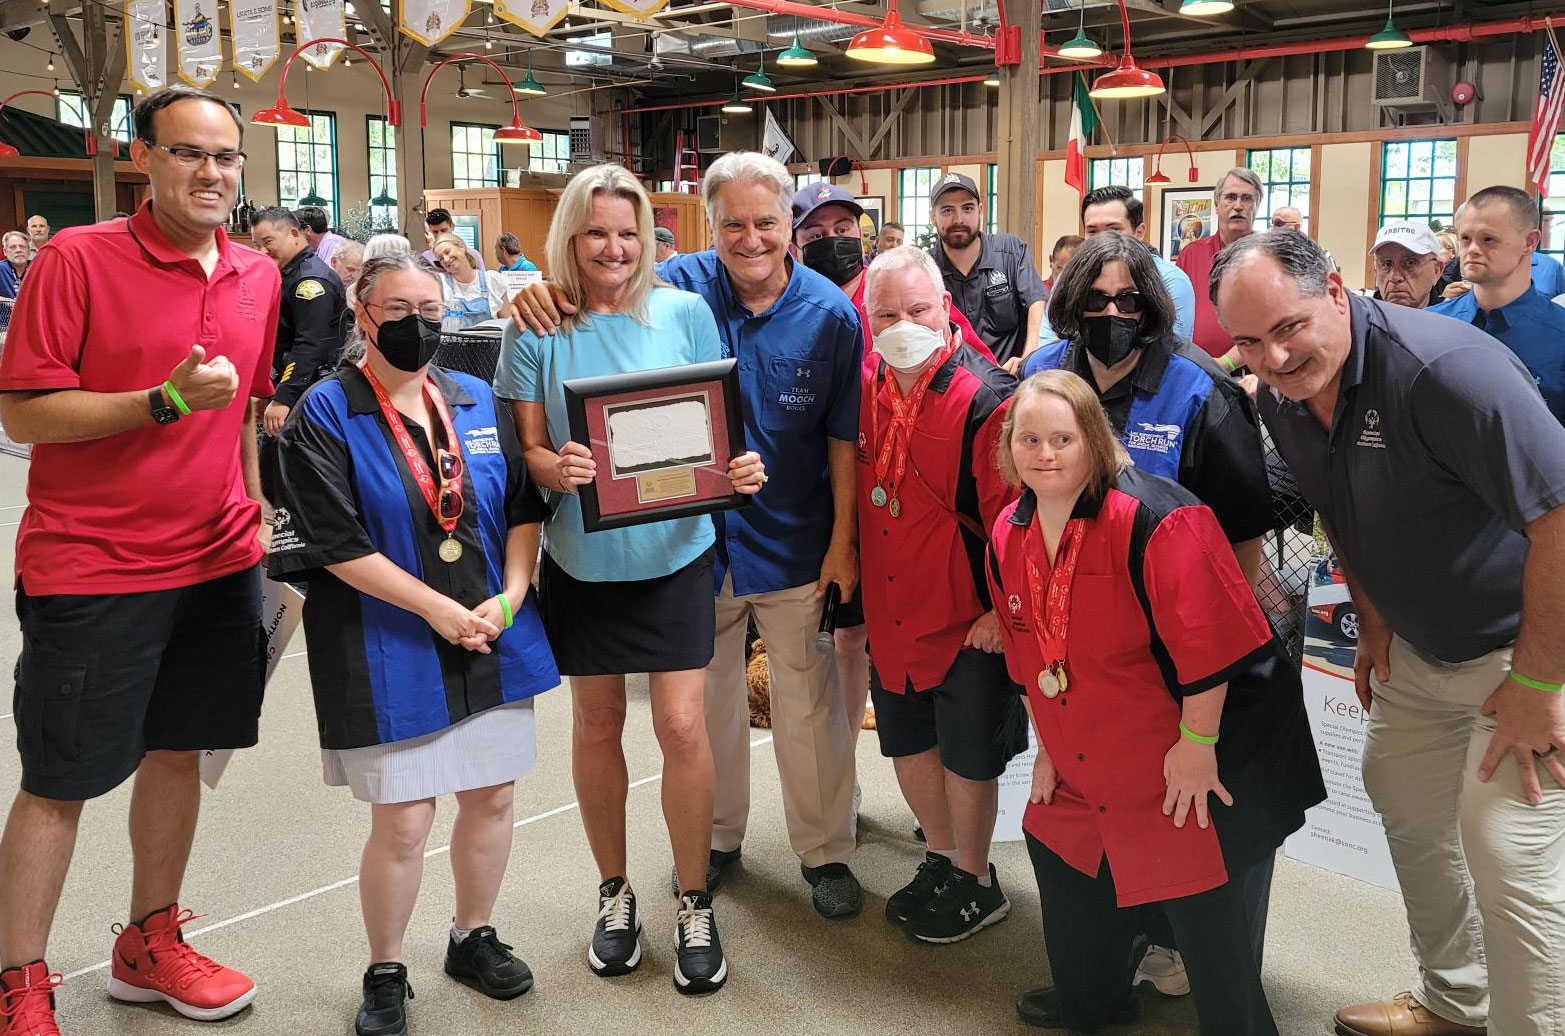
pixel 1415 79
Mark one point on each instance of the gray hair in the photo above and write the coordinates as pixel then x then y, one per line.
pixel 747 167
pixel 1245 174
pixel 386 244
pixel 9 234
pixel 367 284
pixel 902 257
pixel 349 249
pixel 1299 256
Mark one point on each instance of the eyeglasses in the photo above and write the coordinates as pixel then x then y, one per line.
pixel 400 310
pixel 1408 264
pixel 450 465
pixel 1128 302
pixel 192 157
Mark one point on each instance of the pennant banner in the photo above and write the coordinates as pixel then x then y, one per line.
pixel 775 143
pixel 200 49
pixel 320 20
pixel 536 16
pixel 146 51
pixel 430 21
pixel 641 8
pixel 256 33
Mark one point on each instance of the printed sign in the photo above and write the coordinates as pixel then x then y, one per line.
pixel 196 35
pixel 253 25
pixel 536 16
pixel 281 609
pixel 430 21
pixel 146 50
pixel 640 8
pixel 320 20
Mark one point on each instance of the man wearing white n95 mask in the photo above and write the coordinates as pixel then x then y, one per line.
pixel 946 712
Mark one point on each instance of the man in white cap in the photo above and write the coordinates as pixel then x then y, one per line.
pixel 1406 258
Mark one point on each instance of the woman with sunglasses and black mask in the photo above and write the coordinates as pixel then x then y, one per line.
pixel 402 496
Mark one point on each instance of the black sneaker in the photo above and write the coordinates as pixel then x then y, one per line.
pixel 1041 1007
pixel 386 993
pixel 616 939
pixel 964 909
pixel 488 965
pixel 837 893
pixel 717 862
pixel 699 966
pixel 934 873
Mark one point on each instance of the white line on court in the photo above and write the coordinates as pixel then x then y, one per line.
pixel 345 882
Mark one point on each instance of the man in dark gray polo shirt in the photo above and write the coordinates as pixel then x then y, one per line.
pixel 991 277
pixel 1440 475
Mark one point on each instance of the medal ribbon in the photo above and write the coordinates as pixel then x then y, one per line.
pixel 904 411
pixel 421 473
pixel 1051 598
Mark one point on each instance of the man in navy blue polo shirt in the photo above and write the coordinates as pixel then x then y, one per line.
pixel 1440 477
pixel 799 344
pixel 1497 233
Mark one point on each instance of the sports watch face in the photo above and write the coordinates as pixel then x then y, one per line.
pixel 162 413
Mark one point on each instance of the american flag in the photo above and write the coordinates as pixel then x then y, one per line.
pixel 1545 114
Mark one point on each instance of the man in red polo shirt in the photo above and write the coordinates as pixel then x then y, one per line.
pixel 131 363
pixel 1235 198
pixel 945 709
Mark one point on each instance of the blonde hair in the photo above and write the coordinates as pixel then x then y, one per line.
pixel 571 217
pixel 1106 456
pixel 452 239
pixel 1447 241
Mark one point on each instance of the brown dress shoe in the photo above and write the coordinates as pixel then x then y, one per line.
pixel 1400 1016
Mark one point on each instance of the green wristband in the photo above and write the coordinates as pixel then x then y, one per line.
pixel 505 609
pixel 1200 739
pixel 1537 685
pixel 174 397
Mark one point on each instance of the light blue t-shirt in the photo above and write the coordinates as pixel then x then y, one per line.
pixel 680 330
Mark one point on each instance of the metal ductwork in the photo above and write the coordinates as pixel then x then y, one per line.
pixel 702 45
pixel 785 27
pixel 956 12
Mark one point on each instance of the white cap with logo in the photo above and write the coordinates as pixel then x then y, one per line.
pixel 1414 236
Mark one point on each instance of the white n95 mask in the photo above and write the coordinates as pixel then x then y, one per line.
pixel 906 346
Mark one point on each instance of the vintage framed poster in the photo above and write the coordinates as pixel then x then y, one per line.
pixel 662 440
pixel 1188 216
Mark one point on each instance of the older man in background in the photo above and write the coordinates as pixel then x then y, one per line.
pixel 12 269
pixel 1406 258
pixel 1236 195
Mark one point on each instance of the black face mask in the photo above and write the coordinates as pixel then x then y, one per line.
pixel 409 342
pixel 838 259
pixel 1111 338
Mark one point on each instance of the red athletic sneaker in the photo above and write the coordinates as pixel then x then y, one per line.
pixel 152 962
pixel 27 1001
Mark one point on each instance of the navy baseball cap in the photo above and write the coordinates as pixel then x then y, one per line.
pixel 813 195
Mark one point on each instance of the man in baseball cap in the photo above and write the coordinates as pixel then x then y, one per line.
pixel 664 240
pixel 1406 257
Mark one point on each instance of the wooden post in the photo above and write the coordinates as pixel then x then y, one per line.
pixel 97 63
pixel 1019 119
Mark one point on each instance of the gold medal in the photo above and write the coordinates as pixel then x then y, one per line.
pixel 450 550
pixel 1049 684
pixel 896 508
pixel 877 496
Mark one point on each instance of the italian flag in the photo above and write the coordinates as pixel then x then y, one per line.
pixel 1084 119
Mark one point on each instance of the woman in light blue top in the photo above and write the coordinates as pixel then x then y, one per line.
pixel 633 600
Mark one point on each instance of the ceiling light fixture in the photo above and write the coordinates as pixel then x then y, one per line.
pixel 1204 8
pixel 759 80
pixel 1081 46
pixel 993 78
pixel 891 44
pixel 737 105
pixel 1389 38
pixel 797 56
pixel 1127 81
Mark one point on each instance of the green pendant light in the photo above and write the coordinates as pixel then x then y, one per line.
pixel 530 85
pixel 313 199
pixel 737 105
pixel 1389 38
pixel 797 56
pixel 384 200
pixel 759 80
pixel 1081 46
pixel 1203 8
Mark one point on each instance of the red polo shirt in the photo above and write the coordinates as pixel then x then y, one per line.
pixel 921 574
pixel 1108 732
pixel 1196 260
pixel 114 307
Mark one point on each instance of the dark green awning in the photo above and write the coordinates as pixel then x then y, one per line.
pixel 38 137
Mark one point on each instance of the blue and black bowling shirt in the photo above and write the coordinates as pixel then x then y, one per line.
pixel 343 491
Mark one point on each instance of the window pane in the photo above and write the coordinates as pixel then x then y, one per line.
pixel 1396 160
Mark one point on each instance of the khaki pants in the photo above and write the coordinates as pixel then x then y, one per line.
pixel 809 725
pixel 1481 869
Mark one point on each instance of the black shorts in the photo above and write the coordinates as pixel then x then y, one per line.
pixel 974 716
pixel 104 679
pixel 661 625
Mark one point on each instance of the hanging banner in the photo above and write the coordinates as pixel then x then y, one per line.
pixel 775 143
pixel 320 20
pixel 640 8
pixel 146 51
pixel 430 21
pixel 536 16
pixel 196 36
pixel 256 33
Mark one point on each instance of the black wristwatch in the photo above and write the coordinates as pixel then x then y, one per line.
pixel 162 413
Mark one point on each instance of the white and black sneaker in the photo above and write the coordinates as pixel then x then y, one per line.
pixel 616 939
pixel 964 908
pixel 700 966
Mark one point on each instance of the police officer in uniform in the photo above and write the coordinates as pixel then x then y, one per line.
pixel 310 318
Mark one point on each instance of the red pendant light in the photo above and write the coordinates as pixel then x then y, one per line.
pixel 1127 81
pixel 891 44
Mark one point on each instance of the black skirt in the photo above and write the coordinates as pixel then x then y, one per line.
pixel 606 628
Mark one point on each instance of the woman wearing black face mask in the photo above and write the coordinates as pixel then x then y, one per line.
pixel 1179 415
pixel 425 643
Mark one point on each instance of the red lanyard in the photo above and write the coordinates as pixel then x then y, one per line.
pixel 1051 604
pixel 421 473
pixel 904 412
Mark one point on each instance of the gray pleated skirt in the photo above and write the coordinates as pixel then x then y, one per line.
pixel 492 747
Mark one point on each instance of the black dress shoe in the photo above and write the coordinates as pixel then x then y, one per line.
pixel 1041 1007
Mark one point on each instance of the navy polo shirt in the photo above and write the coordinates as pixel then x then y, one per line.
pixel 1533 327
pixel 799 375
pixel 1439 455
